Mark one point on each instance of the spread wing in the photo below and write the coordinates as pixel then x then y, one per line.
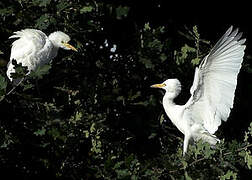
pixel 25 47
pixel 213 89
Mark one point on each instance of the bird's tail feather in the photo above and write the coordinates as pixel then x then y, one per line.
pixel 210 138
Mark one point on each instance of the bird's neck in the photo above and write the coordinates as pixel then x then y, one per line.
pixel 54 52
pixel 168 103
pixel 174 111
pixel 169 97
pixel 54 40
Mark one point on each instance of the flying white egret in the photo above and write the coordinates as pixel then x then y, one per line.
pixel 33 49
pixel 212 92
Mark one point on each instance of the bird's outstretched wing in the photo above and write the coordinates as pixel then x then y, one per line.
pixel 213 89
pixel 29 42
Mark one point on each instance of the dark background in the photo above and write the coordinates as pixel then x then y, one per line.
pixel 95 117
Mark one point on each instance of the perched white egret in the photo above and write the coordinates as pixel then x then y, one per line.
pixel 212 92
pixel 33 49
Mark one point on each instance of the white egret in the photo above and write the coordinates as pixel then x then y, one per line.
pixel 212 92
pixel 33 49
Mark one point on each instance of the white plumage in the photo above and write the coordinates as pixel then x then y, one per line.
pixel 212 92
pixel 33 48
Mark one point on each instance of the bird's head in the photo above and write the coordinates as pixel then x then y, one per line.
pixel 60 40
pixel 170 85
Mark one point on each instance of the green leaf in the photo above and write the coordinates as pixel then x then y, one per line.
pixel 122 173
pixel 187 177
pixel 152 135
pixel 40 132
pixel 155 45
pixel 133 177
pixel 87 134
pixel 133 97
pixel 61 6
pixel 28 86
pixel 41 3
pixel 184 163
pixel 20 71
pixel 129 159
pixel 250 129
pixel 147 26
pixel 248 159
pixel 76 117
pixel 228 175
pixel 40 71
pixel 183 54
pixel 3 83
pixel 118 164
pixel 86 9
pixel 163 57
pixel 147 63
pixel 6 11
pixel 148 172
pixel 43 22
pixel 195 61
pixel 246 136
pixel 120 98
pixel 56 134
pixel 143 103
pixel 195 31
pixel 186 49
pixel 162 118
pixel 122 12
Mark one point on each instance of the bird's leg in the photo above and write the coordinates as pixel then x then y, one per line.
pixel 186 142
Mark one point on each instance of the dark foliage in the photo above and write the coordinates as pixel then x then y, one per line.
pixel 92 115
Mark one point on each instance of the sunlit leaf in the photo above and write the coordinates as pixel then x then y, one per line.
pixel 86 9
pixel 229 175
pixel 183 54
pixel 248 159
pixel 195 31
pixel 147 27
pixel 195 61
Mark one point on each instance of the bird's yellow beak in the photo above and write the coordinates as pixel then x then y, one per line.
pixel 158 85
pixel 70 47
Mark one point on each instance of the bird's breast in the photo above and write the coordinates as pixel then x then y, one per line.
pixel 175 113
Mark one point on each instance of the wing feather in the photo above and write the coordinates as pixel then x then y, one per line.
pixel 25 47
pixel 213 89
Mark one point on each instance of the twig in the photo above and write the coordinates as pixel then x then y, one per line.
pixel 238 150
pixel 16 85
